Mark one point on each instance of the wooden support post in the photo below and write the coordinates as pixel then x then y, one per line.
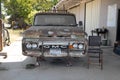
pixel 1 47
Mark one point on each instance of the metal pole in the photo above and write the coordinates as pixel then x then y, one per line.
pixel 0 10
pixel 0 28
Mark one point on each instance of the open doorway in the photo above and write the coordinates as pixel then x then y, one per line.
pixel 118 27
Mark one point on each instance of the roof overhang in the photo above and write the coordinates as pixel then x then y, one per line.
pixel 68 4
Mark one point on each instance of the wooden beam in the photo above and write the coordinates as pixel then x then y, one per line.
pixel 1 47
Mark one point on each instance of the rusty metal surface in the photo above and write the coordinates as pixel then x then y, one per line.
pixel 54 33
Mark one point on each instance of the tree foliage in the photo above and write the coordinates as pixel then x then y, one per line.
pixel 26 8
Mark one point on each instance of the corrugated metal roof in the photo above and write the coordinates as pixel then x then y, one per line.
pixel 67 4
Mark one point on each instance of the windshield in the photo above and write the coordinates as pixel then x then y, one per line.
pixel 54 20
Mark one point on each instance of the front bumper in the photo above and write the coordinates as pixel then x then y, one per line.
pixel 48 54
pixel 53 48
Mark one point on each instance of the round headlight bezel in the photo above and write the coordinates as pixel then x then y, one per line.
pixel 34 45
pixel 31 45
pixel 28 45
pixel 75 45
pixel 81 46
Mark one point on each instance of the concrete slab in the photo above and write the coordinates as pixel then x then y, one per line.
pixel 15 67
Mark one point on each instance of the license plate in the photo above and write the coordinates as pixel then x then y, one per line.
pixel 55 51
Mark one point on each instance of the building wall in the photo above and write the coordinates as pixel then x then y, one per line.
pixel 103 18
pixel 75 11
pixel 92 15
pixel 102 12
pixel 79 12
pixel 99 16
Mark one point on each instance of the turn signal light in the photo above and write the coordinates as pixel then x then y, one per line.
pixel 71 47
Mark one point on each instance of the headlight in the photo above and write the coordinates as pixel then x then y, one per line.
pixel 34 45
pixel 31 45
pixel 80 46
pixel 28 45
pixel 46 46
pixel 75 45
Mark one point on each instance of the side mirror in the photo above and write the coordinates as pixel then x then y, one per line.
pixel 80 23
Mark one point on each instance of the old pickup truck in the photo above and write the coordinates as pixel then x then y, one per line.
pixel 54 34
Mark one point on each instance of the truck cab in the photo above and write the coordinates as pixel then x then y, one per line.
pixel 54 34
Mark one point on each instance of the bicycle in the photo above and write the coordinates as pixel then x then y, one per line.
pixel 5 37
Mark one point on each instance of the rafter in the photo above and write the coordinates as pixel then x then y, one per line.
pixel 69 3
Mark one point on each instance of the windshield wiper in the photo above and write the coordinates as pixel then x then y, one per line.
pixel 57 25
pixel 71 25
pixel 54 25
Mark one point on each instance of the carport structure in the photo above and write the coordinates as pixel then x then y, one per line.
pixel 67 4
pixel 95 14
pixel 83 9
pixel 49 71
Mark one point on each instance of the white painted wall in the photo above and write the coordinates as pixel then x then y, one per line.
pixel 103 18
pixel 76 11
pixel 97 17
pixel 89 21
pixel 79 12
pixel 92 15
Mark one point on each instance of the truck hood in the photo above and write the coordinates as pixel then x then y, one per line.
pixel 54 32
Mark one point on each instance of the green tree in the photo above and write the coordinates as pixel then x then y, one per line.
pixel 17 8
pixel 26 8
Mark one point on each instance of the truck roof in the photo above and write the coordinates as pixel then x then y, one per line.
pixel 54 13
